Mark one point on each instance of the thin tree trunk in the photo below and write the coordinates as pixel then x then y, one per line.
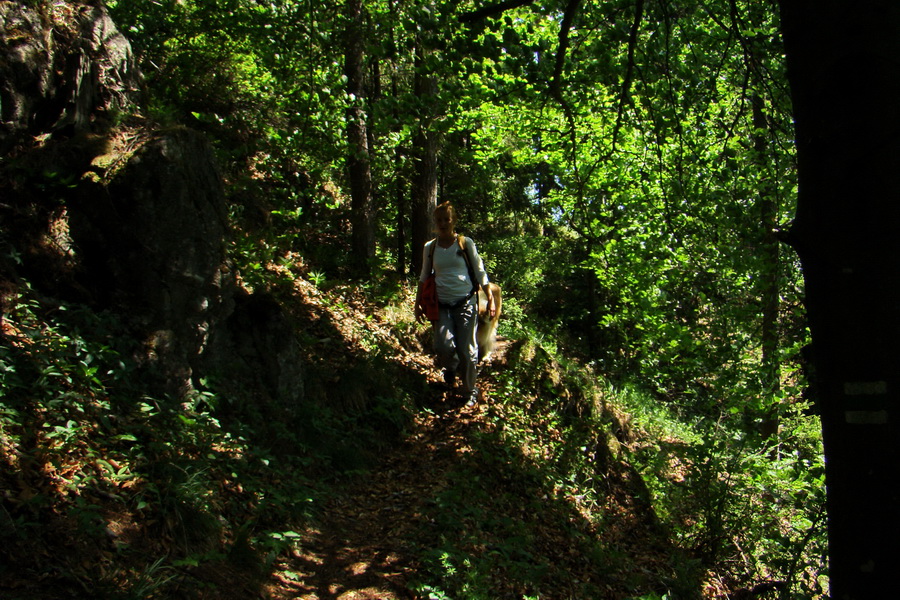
pixel 400 198
pixel 401 220
pixel 425 148
pixel 771 372
pixel 358 160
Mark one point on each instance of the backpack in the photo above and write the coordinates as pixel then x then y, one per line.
pixel 461 242
pixel 429 299
pixel 429 288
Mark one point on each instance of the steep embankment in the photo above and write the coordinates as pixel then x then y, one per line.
pixel 375 486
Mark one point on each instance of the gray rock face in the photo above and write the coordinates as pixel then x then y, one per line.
pixel 152 243
pixel 139 214
pixel 152 235
pixel 64 65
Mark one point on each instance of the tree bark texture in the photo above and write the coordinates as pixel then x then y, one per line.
pixel 842 61
pixel 358 161
pixel 400 200
pixel 425 148
pixel 770 280
pixel 424 194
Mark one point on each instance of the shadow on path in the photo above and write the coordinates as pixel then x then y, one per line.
pixel 457 509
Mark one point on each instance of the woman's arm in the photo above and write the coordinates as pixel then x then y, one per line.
pixel 481 276
pixel 418 311
pixel 427 267
pixel 491 305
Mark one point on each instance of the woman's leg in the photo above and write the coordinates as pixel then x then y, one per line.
pixel 466 323
pixel 445 343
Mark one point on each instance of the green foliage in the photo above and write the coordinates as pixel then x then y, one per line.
pixel 628 214
pixel 73 405
pixel 481 549
pixel 740 511
pixel 263 80
pixel 744 510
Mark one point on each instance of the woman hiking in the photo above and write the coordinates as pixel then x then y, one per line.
pixel 459 272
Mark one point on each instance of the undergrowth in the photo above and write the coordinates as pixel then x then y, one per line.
pixel 140 496
pixel 143 496
pixel 731 511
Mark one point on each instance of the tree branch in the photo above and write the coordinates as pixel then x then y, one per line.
pixel 564 28
pixel 629 70
pixel 492 10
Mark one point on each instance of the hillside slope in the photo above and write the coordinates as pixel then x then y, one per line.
pixel 471 502
pixel 395 491
pixel 199 402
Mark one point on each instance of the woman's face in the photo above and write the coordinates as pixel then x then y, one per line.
pixel 444 222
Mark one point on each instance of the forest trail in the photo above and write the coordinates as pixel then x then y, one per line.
pixel 455 499
pixel 364 545
pixel 372 534
pixel 365 540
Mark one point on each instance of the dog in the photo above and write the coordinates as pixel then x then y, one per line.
pixel 486 334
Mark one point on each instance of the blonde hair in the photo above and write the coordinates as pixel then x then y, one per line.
pixel 446 207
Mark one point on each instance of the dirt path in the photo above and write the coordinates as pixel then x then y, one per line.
pixel 364 543
pixel 363 548
pixel 458 504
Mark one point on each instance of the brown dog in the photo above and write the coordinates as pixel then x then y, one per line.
pixel 487 326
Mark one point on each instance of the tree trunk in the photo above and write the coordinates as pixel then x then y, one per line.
pixel 358 160
pixel 770 280
pixel 842 61
pixel 400 199
pixel 401 222
pixel 425 147
pixel 424 194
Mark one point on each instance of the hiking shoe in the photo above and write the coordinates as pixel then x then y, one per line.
pixel 473 398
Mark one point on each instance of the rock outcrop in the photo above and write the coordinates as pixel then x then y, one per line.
pixel 125 217
pixel 64 65
pixel 151 240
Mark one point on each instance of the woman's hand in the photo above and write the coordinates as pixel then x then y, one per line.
pixel 419 310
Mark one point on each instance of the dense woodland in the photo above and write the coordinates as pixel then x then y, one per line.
pixel 211 227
